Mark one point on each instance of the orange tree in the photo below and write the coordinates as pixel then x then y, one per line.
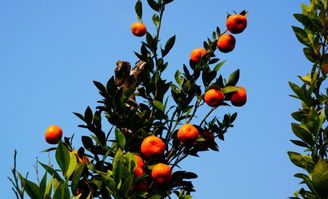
pixel 311 119
pixel 152 128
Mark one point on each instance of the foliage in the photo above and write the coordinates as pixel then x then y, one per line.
pixel 311 126
pixel 139 104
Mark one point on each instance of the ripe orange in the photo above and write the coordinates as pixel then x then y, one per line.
pixel 226 43
pixel 239 98
pixel 161 173
pixel 197 53
pixel 188 133
pixel 138 29
pixel 81 159
pixel 138 172
pixel 236 23
pixel 140 162
pixel 214 97
pixel 53 134
pixel 140 165
pixel 152 146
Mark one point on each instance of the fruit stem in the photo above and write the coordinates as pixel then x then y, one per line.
pixel 195 109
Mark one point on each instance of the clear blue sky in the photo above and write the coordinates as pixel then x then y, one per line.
pixel 50 51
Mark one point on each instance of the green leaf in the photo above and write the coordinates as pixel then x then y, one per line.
pixel 306 180
pixel 100 87
pixel 43 184
pixel 303 161
pixel 302 36
pixel 230 89
pixel 120 138
pixel 118 166
pixel 51 171
pixel 138 9
pixel 88 115
pixel 302 93
pixel 159 105
pixel 30 187
pixel 313 122
pixel 62 156
pixel 153 5
pixel 178 77
pixel 299 115
pixel 126 186
pixel 300 143
pixel 320 178
pixel 110 184
pixel 72 165
pixel 310 55
pixel 168 46
pixel 76 177
pixel 62 191
pixel 48 189
pixel 233 78
pixel 304 19
pixel 156 19
pixel 302 133
pixel 219 65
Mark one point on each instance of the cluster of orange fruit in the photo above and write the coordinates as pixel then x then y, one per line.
pixel 235 24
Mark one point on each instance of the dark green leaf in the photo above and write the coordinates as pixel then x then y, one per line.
pixel 320 178
pixel 302 93
pixel 168 46
pixel 300 143
pixel 87 143
pixel 100 87
pixel 76 177
pixel 153 5
pixel 30 187
pixel 233 78
pixel 159 105
pixel 301 35
pixel 62 156
pixel 120 138
pixel 303 161
pixel 52 172
pixel 303 134
pixel 88 115
pixel 138 9
pixel 156 19
pixel 310 54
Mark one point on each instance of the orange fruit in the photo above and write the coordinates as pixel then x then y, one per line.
pixel 214 97
pixel 239 97
pixel 81 159
pixel 151 146
pixel 53 134
pixel 197 54
pixel 226 43
pixel 138 172
pixel 161 173
pixel 138 29
pixel 188 133
pixel 140 162
pixel 236 23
